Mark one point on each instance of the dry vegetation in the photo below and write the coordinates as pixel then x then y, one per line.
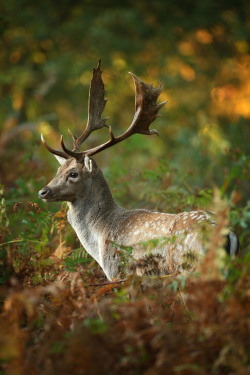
pixel 59 314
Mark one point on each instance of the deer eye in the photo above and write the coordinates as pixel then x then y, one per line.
pixel 73 174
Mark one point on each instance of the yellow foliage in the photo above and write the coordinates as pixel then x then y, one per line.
pixel 186 48
pixel 38 57
pixel 44 128
pixel 17 100
pixel 187 72
pixel 203 36
pixel 233 100
pixel 211 134
pixel 119 63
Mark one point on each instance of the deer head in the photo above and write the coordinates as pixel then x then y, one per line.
pixel 77 167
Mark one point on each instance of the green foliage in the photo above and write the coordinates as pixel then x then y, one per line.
pixel 78 257
pixel 125 253
pixel 96 326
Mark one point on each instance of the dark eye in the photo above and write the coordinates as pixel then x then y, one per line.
pixel 73 174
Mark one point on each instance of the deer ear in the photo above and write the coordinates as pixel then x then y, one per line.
pixel 60 159
pixel 88 164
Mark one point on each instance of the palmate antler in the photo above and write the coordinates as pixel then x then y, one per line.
pixel 146 111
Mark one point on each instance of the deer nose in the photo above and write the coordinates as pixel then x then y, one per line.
pixel 44 192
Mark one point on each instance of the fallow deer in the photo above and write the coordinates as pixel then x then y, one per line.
pixel 105 229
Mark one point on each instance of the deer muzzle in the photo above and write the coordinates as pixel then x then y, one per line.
pixel 45 193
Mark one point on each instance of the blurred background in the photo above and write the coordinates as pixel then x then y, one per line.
pixel 198 50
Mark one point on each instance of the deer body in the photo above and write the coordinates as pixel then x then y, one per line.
pixel 106 230
pixel 102 226
pixel 97 237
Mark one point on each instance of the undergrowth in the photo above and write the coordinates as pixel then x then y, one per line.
pixel 59 314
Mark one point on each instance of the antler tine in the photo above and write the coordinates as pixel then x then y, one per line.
pixel 146 111
pixel 96 106
pixel 55 152
pixel 76 155
pixel 72 135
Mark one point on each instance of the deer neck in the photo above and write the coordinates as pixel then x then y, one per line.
pixel 92 214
